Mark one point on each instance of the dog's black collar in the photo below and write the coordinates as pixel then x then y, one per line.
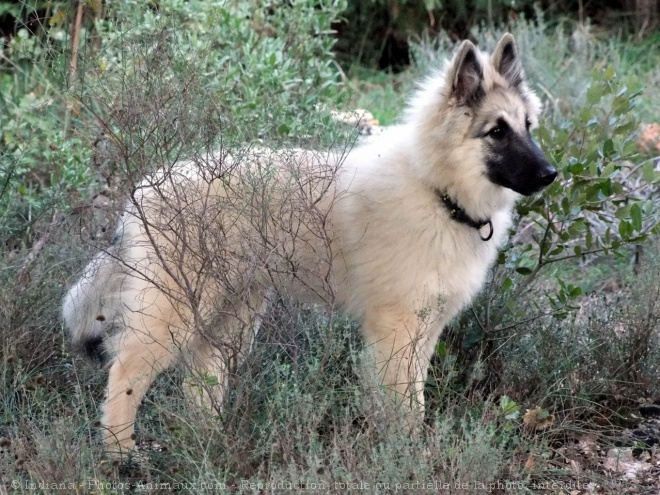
pixel 460 215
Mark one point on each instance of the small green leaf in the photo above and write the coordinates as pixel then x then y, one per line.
pixel 524 270
pixel 648 172
pixel 621 105
pixel 636 217
pixel 622 212
pixel 561 295
pixel 593 94
pixel 576 168
pixel 609 73
pixel 577 227
pixel 575 292
pixel 625 229
pixel 606 187
pixel 617 188
pixel 558 250
pixel 509 407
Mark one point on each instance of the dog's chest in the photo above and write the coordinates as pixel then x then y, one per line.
pixel 432 258
pixel 453 259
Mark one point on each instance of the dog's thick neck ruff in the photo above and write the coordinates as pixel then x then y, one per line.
pixel 460 215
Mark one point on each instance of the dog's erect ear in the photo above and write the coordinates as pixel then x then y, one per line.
pixel 467 75
pixel 507 62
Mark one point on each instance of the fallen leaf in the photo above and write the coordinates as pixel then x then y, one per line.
pixel 538 418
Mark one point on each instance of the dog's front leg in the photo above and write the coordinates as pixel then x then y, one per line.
pixel 399 344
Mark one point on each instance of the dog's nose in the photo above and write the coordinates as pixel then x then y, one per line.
pixel 548 176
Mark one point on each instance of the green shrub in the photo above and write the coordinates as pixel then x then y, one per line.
pixel 195 75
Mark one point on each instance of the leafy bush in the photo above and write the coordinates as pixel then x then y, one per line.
pixel 37 166
pixel 157 84
pixel 196 72
pixel 601 202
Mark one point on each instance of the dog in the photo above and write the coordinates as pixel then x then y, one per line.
pixel 399 233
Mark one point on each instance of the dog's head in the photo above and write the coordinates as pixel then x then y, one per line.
pixel 503 110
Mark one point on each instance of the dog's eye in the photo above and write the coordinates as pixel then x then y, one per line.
pixel 499 130
pixel 496 132
pixel 528 124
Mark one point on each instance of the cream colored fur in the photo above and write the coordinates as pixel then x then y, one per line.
pixel 202 245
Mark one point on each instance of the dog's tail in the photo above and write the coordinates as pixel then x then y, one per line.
pixel 88 306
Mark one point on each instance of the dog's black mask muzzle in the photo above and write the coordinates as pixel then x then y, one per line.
pixel 517 163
